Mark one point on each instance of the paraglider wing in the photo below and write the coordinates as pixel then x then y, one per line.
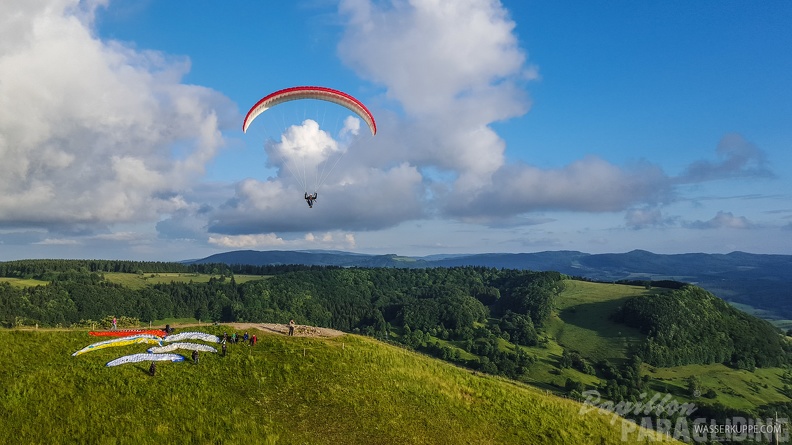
pixel 309 92
pixel 122 341
pixel 145 357
pixel 174 346
pixel 192 336
pixel 128 332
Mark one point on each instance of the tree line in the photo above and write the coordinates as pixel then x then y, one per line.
pixel 45 269
pixel 441 311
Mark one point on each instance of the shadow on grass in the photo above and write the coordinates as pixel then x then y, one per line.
pixel 596 317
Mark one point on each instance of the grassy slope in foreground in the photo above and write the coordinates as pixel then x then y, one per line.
pixel 284 390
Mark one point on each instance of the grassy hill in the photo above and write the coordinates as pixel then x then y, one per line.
pixel 582 323
pixel 348 389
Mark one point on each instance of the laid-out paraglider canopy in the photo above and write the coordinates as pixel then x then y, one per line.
pixel 311 92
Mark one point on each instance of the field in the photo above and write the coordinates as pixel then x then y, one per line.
pixel 735 388
pixel 582 321
pixel 138 281
pixel 23 282
pixel 347 389
pixel 582 324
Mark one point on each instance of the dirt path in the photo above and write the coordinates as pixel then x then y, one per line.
pixel 275 328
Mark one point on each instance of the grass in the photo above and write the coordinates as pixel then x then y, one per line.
pixel 583 324
pixel 348 389
pixel 139 281
pixel 735 388
pixel 23 282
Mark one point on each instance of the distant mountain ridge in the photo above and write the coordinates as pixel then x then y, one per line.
pixel 763 281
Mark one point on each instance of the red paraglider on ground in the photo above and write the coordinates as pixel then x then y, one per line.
pixel 128 332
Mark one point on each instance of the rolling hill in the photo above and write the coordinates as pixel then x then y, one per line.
pixel 756 281
pixel 348 389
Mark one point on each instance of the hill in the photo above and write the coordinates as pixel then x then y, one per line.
pixel 347 389
pixel 759 283
pixel 540 328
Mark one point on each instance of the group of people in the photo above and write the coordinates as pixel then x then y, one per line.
pixel 233 338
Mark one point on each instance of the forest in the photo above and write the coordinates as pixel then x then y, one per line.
pixel 471 306
pixel 692 326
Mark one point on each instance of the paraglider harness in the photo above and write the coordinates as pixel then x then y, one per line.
pixel 310 198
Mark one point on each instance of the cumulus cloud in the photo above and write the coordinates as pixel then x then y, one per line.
pixel 723 220
pixel 113 136
pixel 454 67
pixel 355 199
pixel 739 158
pixel 304 148
pixel 57 242
pixel 590 185
pixel 247 241
pixel 87 127
pixel 269 240
pixel 641 218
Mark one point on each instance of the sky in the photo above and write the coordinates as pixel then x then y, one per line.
pixel 502 126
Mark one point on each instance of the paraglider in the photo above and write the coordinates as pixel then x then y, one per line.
pixel 306 149
pixel 174 346
pixel 128 332
pixel 123 341
pixel 145 357
pixel 307 92
pixel 192 336
pixel 310 199
pixel 159 352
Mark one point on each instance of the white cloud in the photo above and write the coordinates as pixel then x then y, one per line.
pixel 738 158
pixel 303 149
pixel 641 218
pixel 247 241
pixel 722 220
pixel 57 242
pixel 455 67
pixel 270 240
pixel 87 126
pixel 355 198
pixel 350 240
pixel 588 185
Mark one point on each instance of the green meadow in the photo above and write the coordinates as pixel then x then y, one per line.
pixel 23 282
pixel 289 390
pixel 582 320
pixel 582 323
pixel 138 281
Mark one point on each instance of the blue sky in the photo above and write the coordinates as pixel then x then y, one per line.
pixel 511 126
